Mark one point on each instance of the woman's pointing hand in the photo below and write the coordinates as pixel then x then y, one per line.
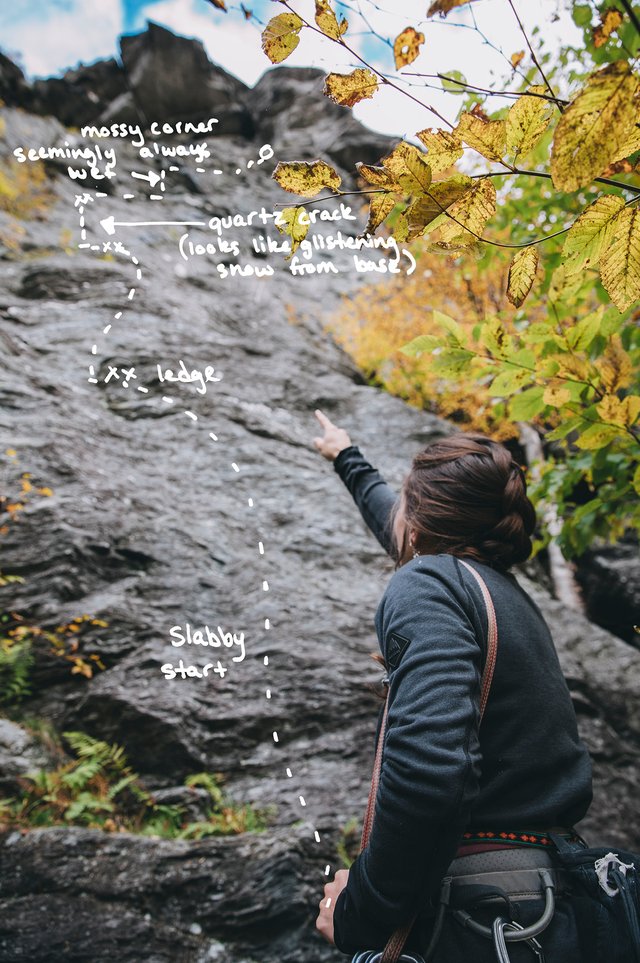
pixel 334 439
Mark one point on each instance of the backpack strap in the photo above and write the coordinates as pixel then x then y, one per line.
pixel 394 947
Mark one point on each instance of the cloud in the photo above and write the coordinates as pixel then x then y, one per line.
pixel 48 38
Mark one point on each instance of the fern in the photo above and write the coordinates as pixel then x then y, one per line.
pixel 98 789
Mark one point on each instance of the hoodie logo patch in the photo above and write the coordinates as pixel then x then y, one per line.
pixel 396 644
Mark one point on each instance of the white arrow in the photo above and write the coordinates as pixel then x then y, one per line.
pixel 152 177
pixel 110 224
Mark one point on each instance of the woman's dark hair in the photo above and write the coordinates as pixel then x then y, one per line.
pixel 465 495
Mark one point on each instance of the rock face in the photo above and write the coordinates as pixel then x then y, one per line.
pixel 156 518
pixel 610 581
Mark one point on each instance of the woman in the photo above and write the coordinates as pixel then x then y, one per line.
pixel 449 789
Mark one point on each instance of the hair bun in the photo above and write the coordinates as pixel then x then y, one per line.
pixel 466 495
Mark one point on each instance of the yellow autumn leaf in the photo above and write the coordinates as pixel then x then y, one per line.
pixel 349 89
pixel 443 7
pixel 527 121
pixel 306 178
pixel 380 206
pixel 408 167
pixel 591 233
pixel 377 176
pixel 597 436
pixel 280 36
pixel 594 126
pixel 630 146
pixel 614 366
pixel 443 148
pixel 488 137
pixel 11 452
pixel 328 22
pixel 556 395
pixel 516 58
pixel 623 412
pixel 571 366
pixel 47 492
pixel 406 47
pixel 425 211
pixel 610 20
pixel 620 260
pixel 522 273
pixel 294 227
pixel 470 211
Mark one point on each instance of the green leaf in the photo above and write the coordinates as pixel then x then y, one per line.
pixel 522 273
pixel 349 89
pixel 509 381
pixel 582 334
pixel 527 405
pixel 564 429
pixel 591 233
pixel 280 36
pixel 306 178
pixel 449 82
pixel 424 343
pixel 453 362
pixel 597 436
pixel 594 127
pixel 451 326
pixel 581 14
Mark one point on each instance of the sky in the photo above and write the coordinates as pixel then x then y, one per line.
pixel 47 36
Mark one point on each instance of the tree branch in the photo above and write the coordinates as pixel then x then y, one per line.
pixel 383 78
pixel 547 176
pixel 532 51
pixel 491 93
pixel 633 17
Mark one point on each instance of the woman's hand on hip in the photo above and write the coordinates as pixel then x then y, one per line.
pixel 334 439
pixel 324 922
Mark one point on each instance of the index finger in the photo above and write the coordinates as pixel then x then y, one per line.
pixel 322 418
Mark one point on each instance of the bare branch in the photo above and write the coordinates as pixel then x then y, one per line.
pixel 532 51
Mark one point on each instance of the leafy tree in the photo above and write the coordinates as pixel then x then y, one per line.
pixel 549 179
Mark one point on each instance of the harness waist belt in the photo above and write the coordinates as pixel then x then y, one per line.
pixel 515 873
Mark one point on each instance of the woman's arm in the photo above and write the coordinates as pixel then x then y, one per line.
pixel 431 758
pixel 372 495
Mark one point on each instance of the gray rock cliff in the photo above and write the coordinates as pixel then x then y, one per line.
pixel 149 526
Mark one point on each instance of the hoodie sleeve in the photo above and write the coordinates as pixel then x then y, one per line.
pixel 431 756
pixel 371 493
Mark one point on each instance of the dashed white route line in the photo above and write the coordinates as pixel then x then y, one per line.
pixel 81 202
